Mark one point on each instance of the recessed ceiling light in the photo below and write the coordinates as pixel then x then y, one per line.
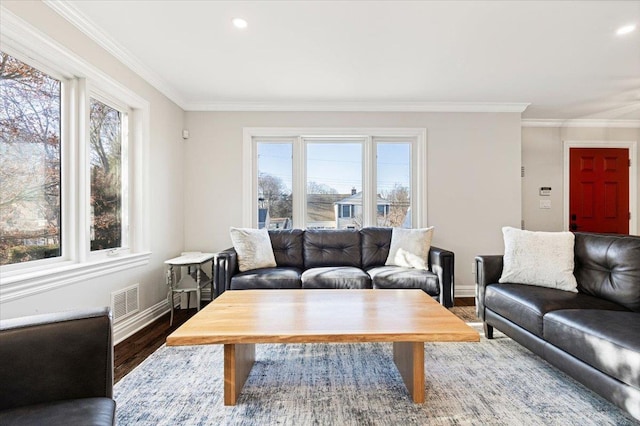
pixel 626 29
pixel 239 23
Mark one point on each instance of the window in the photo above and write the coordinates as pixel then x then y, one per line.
pixel 71 159
pixel 334 174
pixel 30 160
pixel 108 176
pixel 346 210
pixel 275 199
pixel 394 183
pixel 344 179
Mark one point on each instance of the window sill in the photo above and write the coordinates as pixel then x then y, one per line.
pixel 35 282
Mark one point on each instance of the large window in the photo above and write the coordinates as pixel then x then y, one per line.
pixel 73 198
pixel 30 159
pixel 345 179
pixel 32 115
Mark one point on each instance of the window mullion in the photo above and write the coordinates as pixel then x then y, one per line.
pixel 369 197
pixel 299 183
pixel 69 172
pixel 83 191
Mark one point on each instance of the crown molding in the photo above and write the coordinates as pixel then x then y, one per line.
pixel 95 33
pixel 632 124
pixel 359 106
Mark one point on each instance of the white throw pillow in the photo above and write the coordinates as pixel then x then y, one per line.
pixel 410 248
pixel 539 258
pixel 253 247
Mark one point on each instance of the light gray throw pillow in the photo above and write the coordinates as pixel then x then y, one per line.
pixel 544 259
pixel 410 248
pixel 253 247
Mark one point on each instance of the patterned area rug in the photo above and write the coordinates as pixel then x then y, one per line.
pixel 494 382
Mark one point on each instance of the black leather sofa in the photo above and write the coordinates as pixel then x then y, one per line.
pixel 337 259
pixel 592 335
pixel 57 369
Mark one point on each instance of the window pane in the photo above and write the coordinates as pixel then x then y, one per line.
pixel 334 184
pixel 29 163
pixel 394 184
pixel 105 156
pixel 275 182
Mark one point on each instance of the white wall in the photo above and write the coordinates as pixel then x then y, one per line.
pixel 473 175
pixel 542 157
pixel 166 173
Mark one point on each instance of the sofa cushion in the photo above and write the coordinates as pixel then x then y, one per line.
pixel 287 247
pixel 375 246
pixel 335 277
pixel 399 277
pixel 331 248
pixel 281 277
pixel 84 411
pixel 539 258
pixel 608 266
pixel 606 340
pixel 526 305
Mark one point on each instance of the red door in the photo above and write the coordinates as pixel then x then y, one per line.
pixel 599 190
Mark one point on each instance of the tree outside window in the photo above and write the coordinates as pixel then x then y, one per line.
pixel 30 195
pixel 105 157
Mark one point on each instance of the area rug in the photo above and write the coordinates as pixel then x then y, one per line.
pixel 494 382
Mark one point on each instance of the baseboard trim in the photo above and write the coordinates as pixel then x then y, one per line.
pixel 131 325
pixel 465 291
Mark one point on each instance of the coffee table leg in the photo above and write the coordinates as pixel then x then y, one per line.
pixel 409 358
pixel 238 360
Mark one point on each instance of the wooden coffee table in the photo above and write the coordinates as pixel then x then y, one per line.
pixel 239 319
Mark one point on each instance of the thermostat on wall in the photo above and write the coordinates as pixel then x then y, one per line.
pixel 545 190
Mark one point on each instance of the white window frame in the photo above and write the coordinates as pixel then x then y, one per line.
pixel 125 112
pixel 79 80
pixel 369 138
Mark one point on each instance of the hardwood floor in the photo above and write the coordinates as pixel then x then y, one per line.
pixel 135 349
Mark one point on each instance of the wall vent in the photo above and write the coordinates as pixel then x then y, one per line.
pixel 125 302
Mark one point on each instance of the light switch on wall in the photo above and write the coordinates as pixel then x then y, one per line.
pixel 545 204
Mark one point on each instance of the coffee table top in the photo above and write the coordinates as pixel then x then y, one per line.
pixel 315 316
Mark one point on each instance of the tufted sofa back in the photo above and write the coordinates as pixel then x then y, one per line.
pixel 375 246
pixel 340 247
pixel 287 247
pixel 608 266
pixel 364 249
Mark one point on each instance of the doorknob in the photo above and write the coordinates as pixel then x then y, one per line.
pixel 573 226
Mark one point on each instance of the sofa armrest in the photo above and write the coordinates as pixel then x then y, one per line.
pixel 488 271
pixel 226 267
pixel 442 264
pixel 55 357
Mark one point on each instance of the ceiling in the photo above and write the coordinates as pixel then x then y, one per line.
pixel 563 59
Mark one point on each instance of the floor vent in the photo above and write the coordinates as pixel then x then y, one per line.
pixel 125 302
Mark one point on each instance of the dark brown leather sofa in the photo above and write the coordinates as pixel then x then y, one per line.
pixel 57 369
pixel 592 335
pixel 337 259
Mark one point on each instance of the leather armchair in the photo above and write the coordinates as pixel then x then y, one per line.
pixel 57 369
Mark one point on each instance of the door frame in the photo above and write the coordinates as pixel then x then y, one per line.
pixel 632 146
